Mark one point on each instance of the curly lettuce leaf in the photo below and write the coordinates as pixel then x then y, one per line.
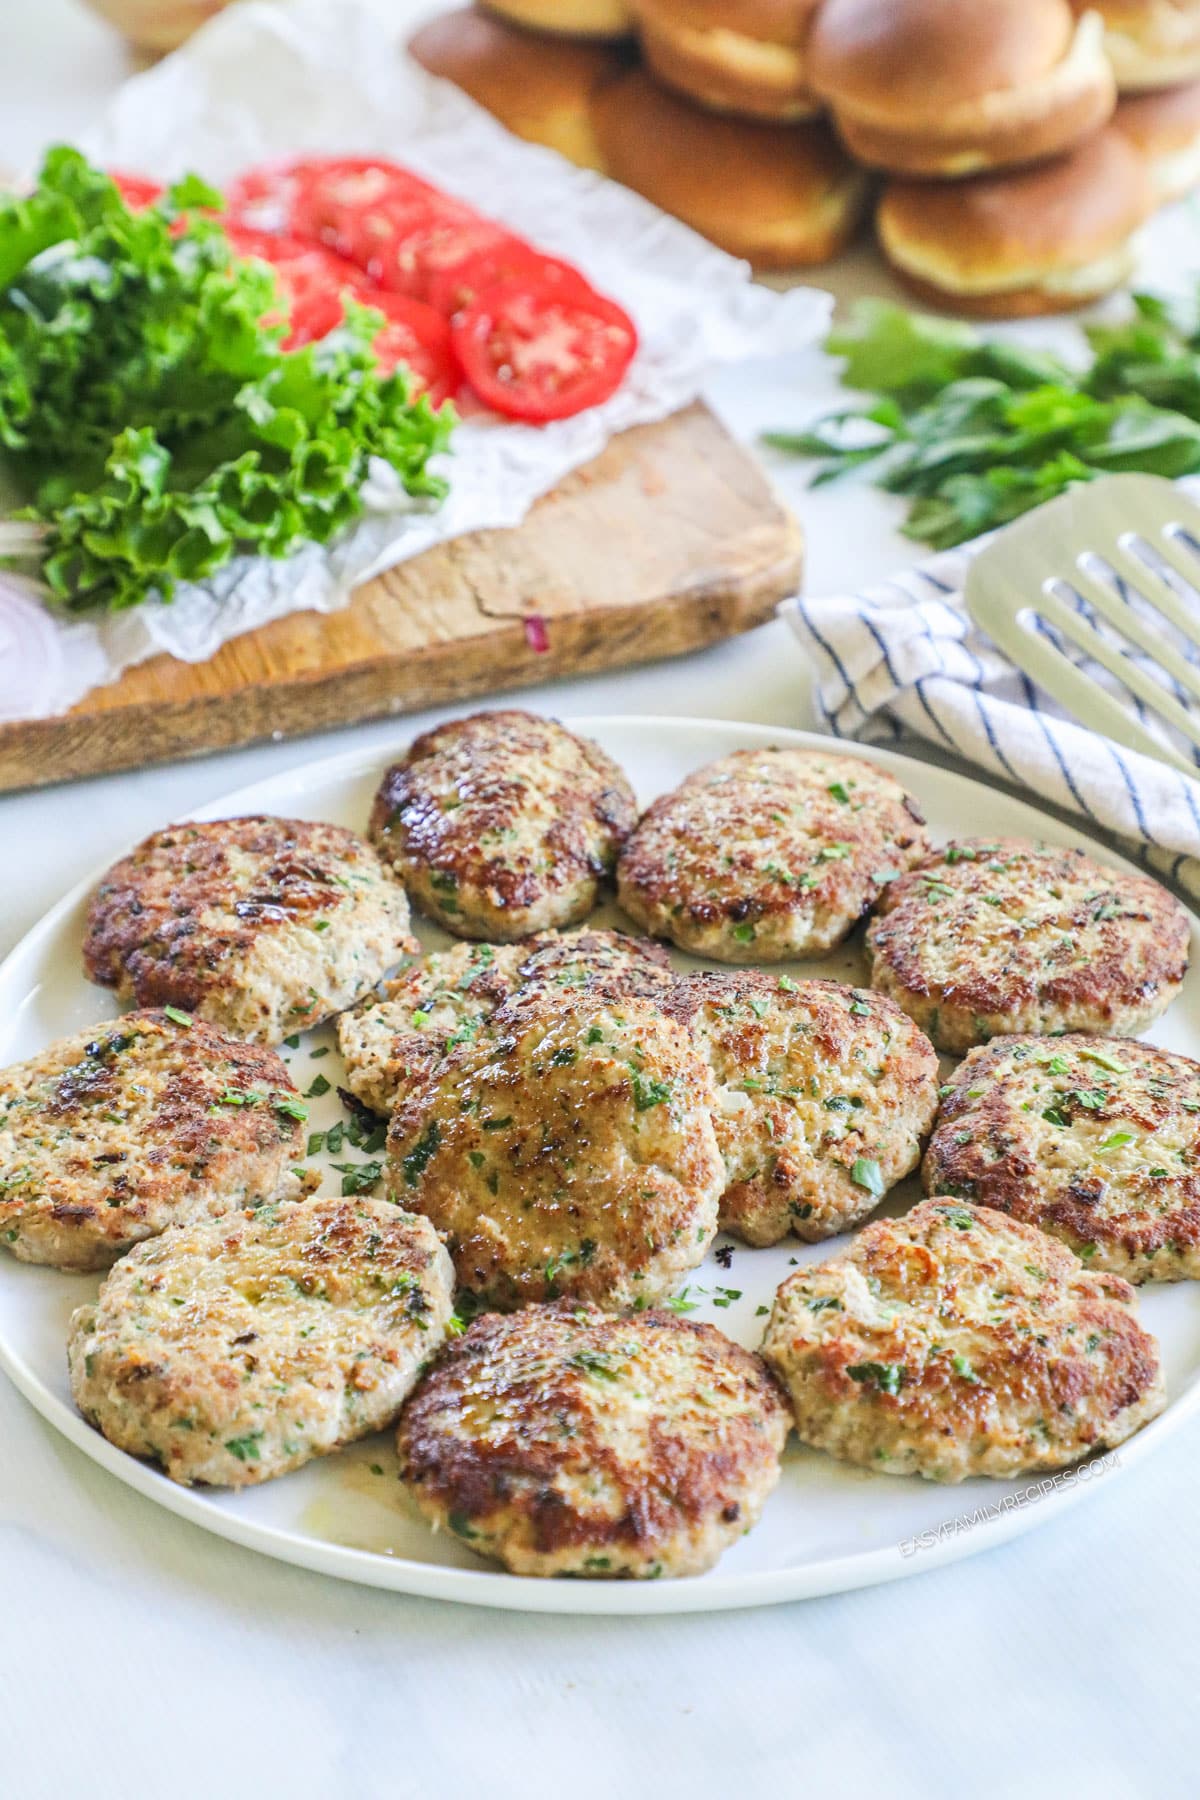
pixel 150 417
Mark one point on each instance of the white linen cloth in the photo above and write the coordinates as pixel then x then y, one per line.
pixel 329 76
pixel 904 656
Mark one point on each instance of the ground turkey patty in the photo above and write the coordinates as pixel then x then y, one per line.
pixel 824 1094
pixel 954 1342
pixel 111 1135
pixel 440 1001
pixel 994 936
pixel 1097 1140
pixel 262 925
pixel 567 1442
pixel 503 824
pixel 240 1348
pixel 768 854
pixel 567 1149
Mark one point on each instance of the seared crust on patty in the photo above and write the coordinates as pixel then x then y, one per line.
pixel 769 854
pixel 503 824
pixel 567 1149
pixel 261 925
pixel 994 936
pixel 567 1442
pixel 111 1135
pixel 240 1348
pixel 1095 1140
pixel 392 1043
pixel 956 1342
pixel 824 1094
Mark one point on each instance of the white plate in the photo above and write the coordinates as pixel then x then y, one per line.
pixel 827 1527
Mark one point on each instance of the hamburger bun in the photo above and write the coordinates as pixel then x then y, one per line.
pixel 1010 246
pixel 1150 43
pixel 936 87
pixel 539 89
pixel 1165 128
pixel 567 18
pixel 737 56
pixel 782 196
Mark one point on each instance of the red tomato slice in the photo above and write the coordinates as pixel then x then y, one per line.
pixel 456 284
pixel 313 279
pixel 262 198
pixel 335 197
pixel 420 339
pixel 536 352
pixel 137 191
pixel 405 247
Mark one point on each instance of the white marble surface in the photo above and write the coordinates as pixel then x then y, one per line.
pixel 142 1656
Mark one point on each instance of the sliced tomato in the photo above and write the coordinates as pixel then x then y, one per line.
pixel 314 280
pixel 456 284
pixel 263 198
pixel 420 339
pixel 336 196
pixel 404 248
pixel 137 191
pixel 534 351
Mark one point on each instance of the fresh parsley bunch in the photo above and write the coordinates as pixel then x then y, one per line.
pixel 148 415
pixel 977 431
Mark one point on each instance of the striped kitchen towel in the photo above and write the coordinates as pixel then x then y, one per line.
pixel 904 657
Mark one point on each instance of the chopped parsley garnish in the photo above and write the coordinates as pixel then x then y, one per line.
pixel 866 1173
pixel 648 1093
pixel 320 1085
pixel 419 1157
pixel 744 934
pixel 177 1016
pixel 681 1303
pixel 359 1178
pixel 958 1216
pixel 887 1377
pixel 246 1449
pixel 290 1107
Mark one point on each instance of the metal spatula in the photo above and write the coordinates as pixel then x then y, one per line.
pixel 1111 572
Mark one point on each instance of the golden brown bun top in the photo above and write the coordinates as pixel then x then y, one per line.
pixel 708 164
pixel 1162 122
pixel 1063 213
pixel 1128 15
pixel 771 21
pixel 894 54
pixel 509 70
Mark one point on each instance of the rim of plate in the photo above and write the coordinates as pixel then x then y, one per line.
pixel 712 1592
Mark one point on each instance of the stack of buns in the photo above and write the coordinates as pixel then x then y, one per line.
pixel 1016 146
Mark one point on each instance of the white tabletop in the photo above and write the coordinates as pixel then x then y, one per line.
pixel 142 1655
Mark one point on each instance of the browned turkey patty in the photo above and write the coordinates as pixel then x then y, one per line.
pixel 824 1094
pixel 441 1000
pixel 240 1348
pixel 261 925
pixel 141 1123
pixel 503 824
pixel 995 936
pixel 565 1441
pixel 1095 1140
pixel 768 854
pixel 956 1342
pixel 567 1149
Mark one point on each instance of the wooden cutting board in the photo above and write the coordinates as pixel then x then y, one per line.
pixel 669 540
